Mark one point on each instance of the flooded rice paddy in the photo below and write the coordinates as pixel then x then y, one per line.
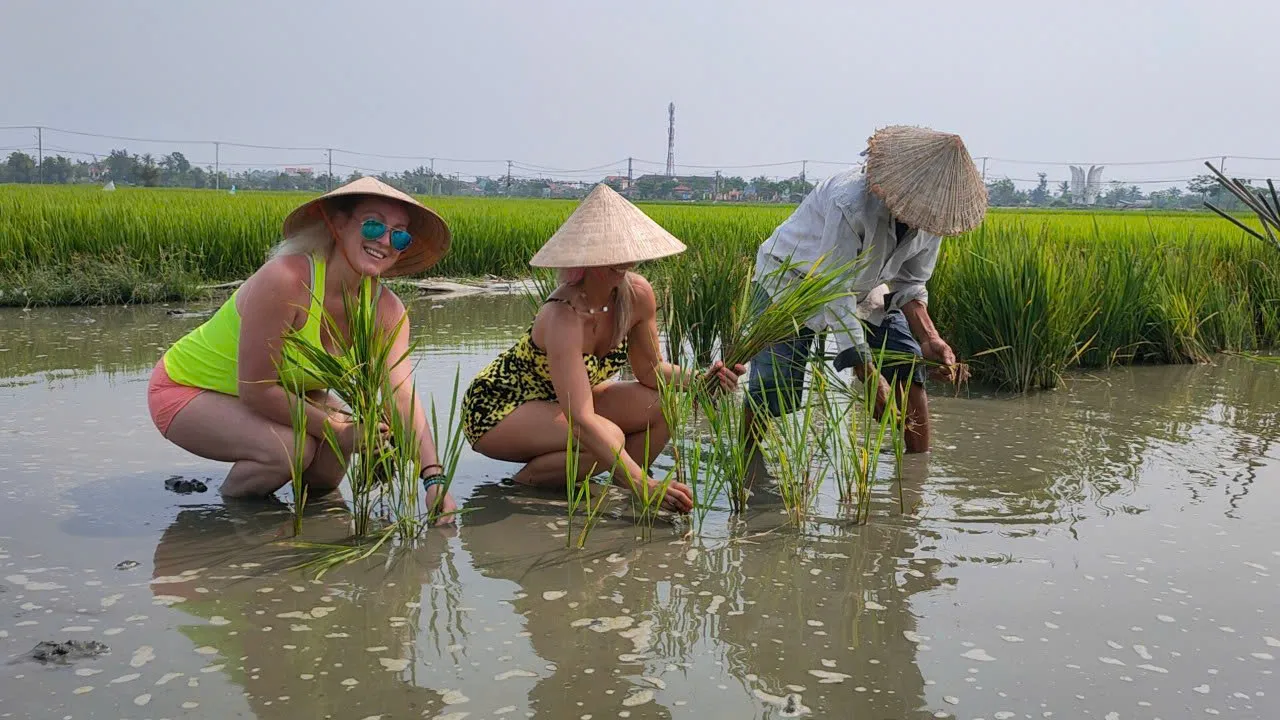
pixel 1108 551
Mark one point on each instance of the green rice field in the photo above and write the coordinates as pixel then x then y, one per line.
pixel 1027 296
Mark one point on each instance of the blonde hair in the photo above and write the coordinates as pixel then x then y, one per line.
pixel 622 308
pixel 314 237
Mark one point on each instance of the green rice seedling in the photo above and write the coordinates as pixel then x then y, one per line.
pixel 752 332
pixel 680 409
pixel 399 465
pixel 789 445
pixel 854 436
pixel 646 500
pixel 578 486
pixel 727 460
pixel 449 441
pixel 359 374
pixel 298 419
pixel 700 293
pixel 1034 304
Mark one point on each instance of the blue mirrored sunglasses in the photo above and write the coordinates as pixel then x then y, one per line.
pixel 375 229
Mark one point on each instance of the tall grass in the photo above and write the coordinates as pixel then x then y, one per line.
pixel 1056 290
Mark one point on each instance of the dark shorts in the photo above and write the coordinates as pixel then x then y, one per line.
pixel 778 372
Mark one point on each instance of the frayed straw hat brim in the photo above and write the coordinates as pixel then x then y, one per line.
pixel 926 179
pixel 606 229
pixel 431 235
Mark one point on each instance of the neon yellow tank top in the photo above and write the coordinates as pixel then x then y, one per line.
pixel 207 356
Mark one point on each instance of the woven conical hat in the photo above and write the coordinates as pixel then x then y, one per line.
pixel 606 229
pixel 430 233
pixel 926 179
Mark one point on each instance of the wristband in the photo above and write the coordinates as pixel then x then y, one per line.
pixel 436 479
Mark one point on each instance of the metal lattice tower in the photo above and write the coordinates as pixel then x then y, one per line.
pixel 671 140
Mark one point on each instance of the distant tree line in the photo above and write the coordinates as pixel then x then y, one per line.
pixel 1003 193
pixel 174 170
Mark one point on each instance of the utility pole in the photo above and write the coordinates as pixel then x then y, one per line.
pixel 804 165
pixel 433 176
pixel 217 172
pixel 984 171
pixel 629 174
pixel 1223 166
pixel 40 152
pixel 716 194
pixel 328 184
pixel 508 177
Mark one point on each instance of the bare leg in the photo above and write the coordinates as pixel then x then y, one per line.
pixel 918 430
pixel 535 433
pixel 220 427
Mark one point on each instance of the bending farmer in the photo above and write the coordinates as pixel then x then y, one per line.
pixel 217 393
pixel 601 318
pixel 917 185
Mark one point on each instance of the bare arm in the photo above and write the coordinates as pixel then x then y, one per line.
pixel 645 353
pixel 922 328
pixel 270 304
pixel 563 337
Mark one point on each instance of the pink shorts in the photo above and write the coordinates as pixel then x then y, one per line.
pixel 166 398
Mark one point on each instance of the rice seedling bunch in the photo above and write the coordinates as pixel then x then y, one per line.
pixel 359 374
pixel 805 296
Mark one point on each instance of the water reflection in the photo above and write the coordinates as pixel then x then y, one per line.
pixel 70 342
pixel 738 625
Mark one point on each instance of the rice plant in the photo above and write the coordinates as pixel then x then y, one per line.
pixel 852 436
pixel 680 410
pixel 700 296
pixel 298 419
pixel 578 486
pixel 727 456
pixel 806 294
pixel 1056 289
pixel 646 499
pixel 449 441
pixel 789 446
pixel 359 373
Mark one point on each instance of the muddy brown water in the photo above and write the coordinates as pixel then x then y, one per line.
pixel 1105 551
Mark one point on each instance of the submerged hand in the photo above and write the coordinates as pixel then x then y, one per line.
pixel 447 507
pixel 679 497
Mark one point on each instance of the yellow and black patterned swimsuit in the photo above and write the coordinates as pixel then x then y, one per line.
pixel 519 375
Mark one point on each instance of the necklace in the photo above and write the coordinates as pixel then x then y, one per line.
pixel 603 308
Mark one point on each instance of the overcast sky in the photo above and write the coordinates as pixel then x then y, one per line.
pixel 575 85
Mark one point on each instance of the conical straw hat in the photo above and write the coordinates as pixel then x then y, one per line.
pixel 606 229
pixel 926 179
pixel 430 233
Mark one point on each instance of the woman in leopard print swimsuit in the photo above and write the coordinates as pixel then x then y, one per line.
pixel 601 318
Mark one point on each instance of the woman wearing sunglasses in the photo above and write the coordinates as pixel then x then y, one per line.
pixel 601 318
pixel 217 392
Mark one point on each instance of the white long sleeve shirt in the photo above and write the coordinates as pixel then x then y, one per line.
pixel 840 219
